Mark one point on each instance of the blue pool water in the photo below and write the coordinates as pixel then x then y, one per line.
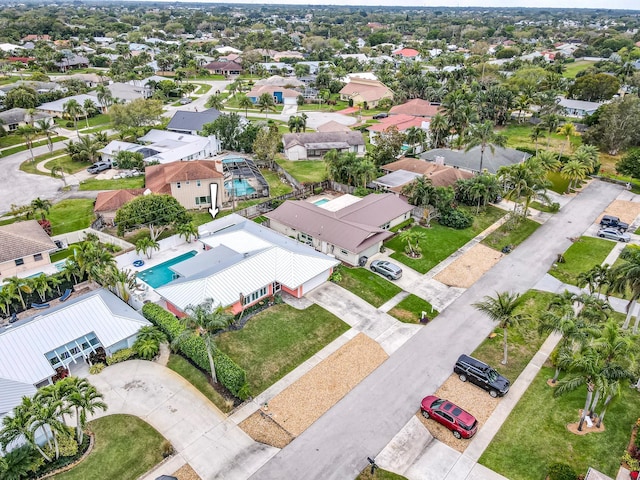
pixel 60 265
pixel 161 274
pixel 232 160
pixel 240 186
pixel 322 201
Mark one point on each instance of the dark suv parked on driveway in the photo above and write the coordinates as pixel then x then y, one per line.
pixel 613 222
pixel 482 375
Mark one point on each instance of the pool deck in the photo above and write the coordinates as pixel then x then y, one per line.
pixel 158 257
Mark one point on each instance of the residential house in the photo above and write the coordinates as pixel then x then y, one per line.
pixel 351 229
pixel 227 69
pixel 17 117
pixel 56 108
pixel 184 121
pixel 416 107
pixel 243 264
pixel 36 38
pixel 314 145
pixel 406 170
pixel 278 68
pixel 282 95
pixel 578 108
pixel 71 61
pixel 108 202
pixel 165 147
pixel 189 182
pixel 279 81
pixel 406 54
pixel 287 54
pixel 23 246
pixel 39 87
pixel 365 92
pixel 60 338
pixel 226 50
pixel 400 122
pixel 8 47
pixel 332 126
pixel 91 80
pixel 470 160
pixel 125 93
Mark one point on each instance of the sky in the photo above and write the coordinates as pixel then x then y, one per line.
pixel 609 4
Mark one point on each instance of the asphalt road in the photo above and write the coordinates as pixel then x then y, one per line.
pixel 362 423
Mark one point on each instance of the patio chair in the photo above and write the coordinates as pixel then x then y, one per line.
pixel 65 296
pixel 39 306
pixel 14 318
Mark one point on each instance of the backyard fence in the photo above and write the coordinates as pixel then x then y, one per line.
pixel 80 235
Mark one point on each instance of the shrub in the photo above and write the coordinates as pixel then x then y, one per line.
pixel 96 368
pixel 193 347
pixel 336 275
pixel 121 356
pixel 318 190
pixel 561 471
pixel 456 219
pixel 166 449
pixel 146 348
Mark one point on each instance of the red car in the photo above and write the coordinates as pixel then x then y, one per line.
pixel 461 423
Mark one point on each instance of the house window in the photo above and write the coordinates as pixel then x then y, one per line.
pixel 385 226
pixel 203 200
pixel 254 296
pixel 344 252
pixel 177 184
pixel 198 183
pixel 187 182
pixel 37 257
pixel 19 261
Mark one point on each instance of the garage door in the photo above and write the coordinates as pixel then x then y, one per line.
pixel 314 282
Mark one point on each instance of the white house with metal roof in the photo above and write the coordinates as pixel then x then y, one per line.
pixel 244 263
pixel 31 349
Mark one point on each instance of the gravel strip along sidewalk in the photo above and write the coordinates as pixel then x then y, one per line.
pixel 469 267
pixel 293 410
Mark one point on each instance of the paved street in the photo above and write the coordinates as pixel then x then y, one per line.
pixel 361 424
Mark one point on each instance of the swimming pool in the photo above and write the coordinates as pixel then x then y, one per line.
pixel 322 201
pixel 241 187
pixel 161 274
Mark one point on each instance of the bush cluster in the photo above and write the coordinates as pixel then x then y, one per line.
pixel 458 219
pixel 193 347
pixel 121 356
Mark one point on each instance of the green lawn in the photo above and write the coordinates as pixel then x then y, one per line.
pixel 276 186
pixel 523 341
pixel 10 140
pixel 277 340
pixel 97 120
pixel 305 171
pixel 535 434
pixel 511 233
pixel 542 207
pixel 200 217
pixel 440 241
pixel 410 310
pixel 61 255
pixel 69 166
pixel 574 68
pixel 379 474
pixel 125 448
pixel 369 286
pixel 198 379
pixel 559 184
pixel 114 184
pixel 204 88
pixel 580 257
pixel 70 215
pixel 22 148
pixel 518 135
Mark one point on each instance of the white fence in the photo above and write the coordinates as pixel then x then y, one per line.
pixel 80 235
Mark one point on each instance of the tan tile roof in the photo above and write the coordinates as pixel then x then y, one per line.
pixel 332 126
pixel 158 178
pixel 440 175
pixel 417 107
pixel 369 90
pixel 21 239
pixel 113 200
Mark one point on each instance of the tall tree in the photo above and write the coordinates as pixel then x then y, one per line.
pixel 502 309
pixel 483 135
pixel 156 212
pixel 73 110
pixel 266 104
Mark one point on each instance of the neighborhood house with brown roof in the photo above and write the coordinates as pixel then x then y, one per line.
pixel 406 170
pixel 365 92
pixel 23 246
pixel 350 233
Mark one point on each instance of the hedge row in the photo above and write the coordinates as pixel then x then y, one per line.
pixel 193 347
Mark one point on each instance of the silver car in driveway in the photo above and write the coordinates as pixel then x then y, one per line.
pixel 387 269
pixel 614 234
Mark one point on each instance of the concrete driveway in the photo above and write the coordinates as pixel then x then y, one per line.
pixel 364 421
pixel 202 436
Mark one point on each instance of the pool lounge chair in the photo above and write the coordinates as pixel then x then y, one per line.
pixel 65 296
pixel 39 306
pixel 14 318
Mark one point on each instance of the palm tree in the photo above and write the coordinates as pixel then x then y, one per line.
pixel 148 341
pixel 626 277
pixel 89 108
pixel 19 424
pixel 73 109
pixel 84 398
pixel 294 123
pixel 244 102
pixel 547 160
pixel 483 135
pixel 205 320
pixel 71 269
pixel 29 134
pixel 188 231
pixel 38 205
pixel 415 137
pixel 575 172
pixel 215 101
pixel 46 414
pixel 536 135
pixel 88 149
pixel 502 309
pixel 147 245
pixel 15 285
pixel 18 463
pixel 266 103
pixel 413 238
pixel 567 130
pixel 5 301
pixel 56 170
pixel 47 128
pixel 104 97
pixel 122 281
pixel 55 281
pixel 439 129
pixel 523 102
pixel 551 123
pixel 421 193
pixel 41 285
